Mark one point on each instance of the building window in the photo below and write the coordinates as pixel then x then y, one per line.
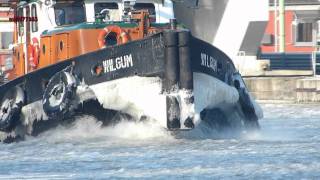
pixel 304 32
pixel 34 24
pixel 305 27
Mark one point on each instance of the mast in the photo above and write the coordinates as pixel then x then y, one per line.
pixel 282 26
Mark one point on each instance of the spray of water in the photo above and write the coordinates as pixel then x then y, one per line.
pixel 87 128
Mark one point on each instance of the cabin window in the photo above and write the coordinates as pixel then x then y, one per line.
pixel 109 10
pixel 67 13
pixel 34 24
pixel 6 38
pixel 20 23
pixel 148 6
pixel 98 7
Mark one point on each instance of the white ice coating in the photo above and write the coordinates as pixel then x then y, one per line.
pixel 136 96
pixel 186 108
pixel 70 78
pixel 5 105
pixel 32 112
pixel 84 93
pixel 140 96
pixel 210 92
pixel 56 100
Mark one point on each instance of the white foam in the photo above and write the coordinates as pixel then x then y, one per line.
pixel 87 127
pixel 4 135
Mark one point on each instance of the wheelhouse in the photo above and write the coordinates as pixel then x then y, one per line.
pixel 56 30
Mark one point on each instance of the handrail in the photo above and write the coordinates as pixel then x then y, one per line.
pixel 242 57
pixel 314 62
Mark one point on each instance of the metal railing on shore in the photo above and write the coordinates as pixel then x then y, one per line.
pixel 292 61
pixel 315 64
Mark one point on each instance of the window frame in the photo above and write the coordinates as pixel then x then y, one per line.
pixel 295 32
pixel 57 6
pixel 147 5
pixel 94 6
pixel 20 13
pixel 34 13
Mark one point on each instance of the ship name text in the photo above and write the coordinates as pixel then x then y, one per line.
pixel 209 62
pixel 117 63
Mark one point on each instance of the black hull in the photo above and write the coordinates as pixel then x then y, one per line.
pixel 172 56
pixel 150 58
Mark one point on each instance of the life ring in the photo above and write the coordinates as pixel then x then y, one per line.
pixel 10 108
pixel 58 95
pixel 121 35
pixel 34 53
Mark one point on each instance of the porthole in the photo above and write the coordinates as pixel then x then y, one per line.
pixel 61 45
pixel 97 70
pixel 44 49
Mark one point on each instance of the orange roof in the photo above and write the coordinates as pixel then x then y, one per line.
pixel 4 14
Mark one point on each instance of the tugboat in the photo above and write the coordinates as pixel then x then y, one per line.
pixel 110 57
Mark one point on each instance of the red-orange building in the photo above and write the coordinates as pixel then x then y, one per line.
pixel 301 27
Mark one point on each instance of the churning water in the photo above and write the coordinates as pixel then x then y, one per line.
pixel 287 147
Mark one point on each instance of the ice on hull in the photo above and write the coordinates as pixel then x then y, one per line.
pixel 143 97
pixel 136 96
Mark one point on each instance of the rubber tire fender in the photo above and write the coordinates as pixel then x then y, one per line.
pixel 58 95
pixel 10 108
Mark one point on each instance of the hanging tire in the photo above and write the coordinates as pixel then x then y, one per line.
pixel 58 95
pixel 10 109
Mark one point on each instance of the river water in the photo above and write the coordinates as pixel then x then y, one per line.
pixel 287 147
